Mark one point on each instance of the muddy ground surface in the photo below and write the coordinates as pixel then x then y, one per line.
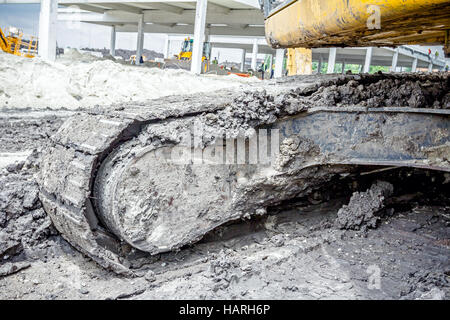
pixel 298 251
pixel 22 130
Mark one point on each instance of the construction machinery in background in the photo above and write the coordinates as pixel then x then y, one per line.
pixel 127 182
pixel 186 50
pixel 15 43
pixel 184 58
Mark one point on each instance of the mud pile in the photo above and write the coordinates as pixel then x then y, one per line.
pixel 83 81
pixel 26 134
pixel 24 225
pixel 126 54
pixel 371 91
pixel 389 90
pixel 363 206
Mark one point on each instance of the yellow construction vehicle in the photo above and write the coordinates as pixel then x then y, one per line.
pixel 186 50
pixel 15 43
pixel 355 23
pixel 186 53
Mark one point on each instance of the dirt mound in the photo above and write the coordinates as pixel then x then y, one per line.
pixel 27 134
pixel 24 225
pixel 82 80
pixel 415 90
pixel 361 210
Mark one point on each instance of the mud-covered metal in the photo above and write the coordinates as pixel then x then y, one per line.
pixel 269 6
pixel 112 189
pixel 330 23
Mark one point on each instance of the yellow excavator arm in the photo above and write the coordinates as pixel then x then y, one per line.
pixel 356 23
pixel 4 44
pixel 14 44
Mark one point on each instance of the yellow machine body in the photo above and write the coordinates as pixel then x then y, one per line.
pixel 186 50
pixel 186 56
pixel 186 53
pixel 15 44
pixel 356 23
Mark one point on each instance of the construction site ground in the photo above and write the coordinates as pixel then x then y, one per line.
pixel 296 251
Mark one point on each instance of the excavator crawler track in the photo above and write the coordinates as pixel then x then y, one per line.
pixel 157 176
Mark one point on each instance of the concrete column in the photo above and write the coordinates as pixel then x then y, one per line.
pixel 394 61
pixel 199 34
pixel 414 65
pixel 368 61
pixel 112 50
pixel 207 33
pixel 243 60
pixel 430 67
pixel 47 29
pixel 254 54
pixel 279 61
pixel 319 67
pixel 140 39
pixel 332 60
pixel 299 61
pixel 167 47
pixel 343 67
pixel 271 63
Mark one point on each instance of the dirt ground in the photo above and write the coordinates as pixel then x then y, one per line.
pixel 296 252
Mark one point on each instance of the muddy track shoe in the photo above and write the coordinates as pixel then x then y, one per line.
pixel 158 176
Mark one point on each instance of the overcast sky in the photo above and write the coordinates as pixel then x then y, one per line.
pixel 26 17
